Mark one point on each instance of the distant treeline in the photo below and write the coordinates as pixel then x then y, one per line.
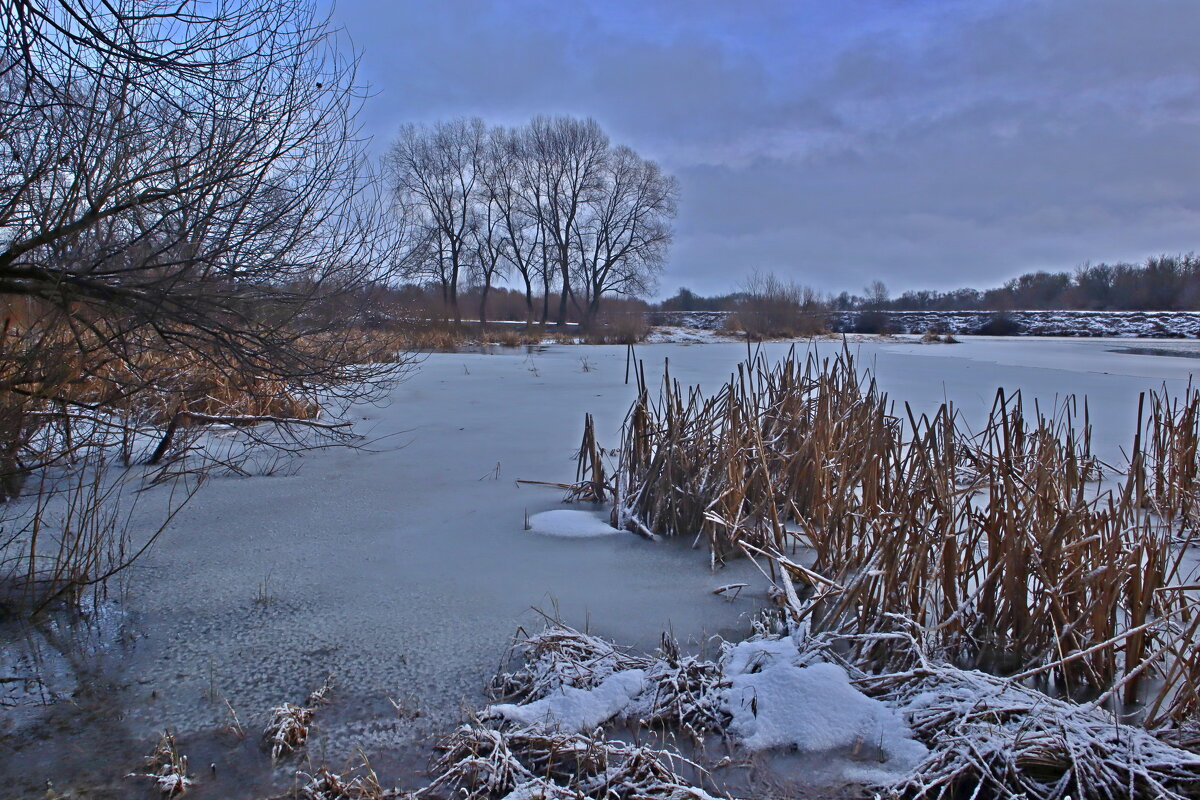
pixel 410 302
pixel 1163 283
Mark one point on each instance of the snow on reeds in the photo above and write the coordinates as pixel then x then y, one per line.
pixel 996 550
pixel 288 730
pixel 484 763
pixel 360 784
pixel 1003 739
pixel 166 767
pixel 673 690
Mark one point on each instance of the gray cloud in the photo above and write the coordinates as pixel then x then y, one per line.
pixel 927 143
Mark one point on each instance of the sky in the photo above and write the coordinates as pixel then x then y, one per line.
pixel 927 143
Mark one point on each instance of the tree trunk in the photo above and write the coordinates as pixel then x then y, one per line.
pixel 566 292
pixel 454 297
pixel 593 310
pixel 528 303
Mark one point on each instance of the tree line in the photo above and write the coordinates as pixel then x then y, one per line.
pixel 1161 283
pixel 552 206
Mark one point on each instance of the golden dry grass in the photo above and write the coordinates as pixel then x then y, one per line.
pixel 998 550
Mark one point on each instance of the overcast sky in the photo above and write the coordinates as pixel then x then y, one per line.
pixel 929 143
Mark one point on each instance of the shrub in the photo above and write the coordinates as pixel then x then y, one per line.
pixel 772 308
pixel 1001 324
pixel 617 328
pixel 872 321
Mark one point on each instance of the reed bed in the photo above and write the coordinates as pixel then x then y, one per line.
pixel 997 549
pixel 484 763
pixel 1164 461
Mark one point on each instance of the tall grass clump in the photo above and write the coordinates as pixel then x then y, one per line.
pixel 905 539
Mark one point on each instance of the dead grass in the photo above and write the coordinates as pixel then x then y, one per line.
pixel 999 546
pixel 617 328
pixel 360 783
pixel 484 763
pixel 167 768
pixel 288 729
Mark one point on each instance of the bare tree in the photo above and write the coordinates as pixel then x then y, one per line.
pixel 876 294
pixel 198 174
pixel 568 156
pixel 188 224
pixel 509 183
pixel 552 200
pixel 435 171
pixel 624 234
pixel 490 250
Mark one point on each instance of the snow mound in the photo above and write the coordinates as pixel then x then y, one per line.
pixel 571 524
pixel 572 710
pixel 776 704
pixel 754 655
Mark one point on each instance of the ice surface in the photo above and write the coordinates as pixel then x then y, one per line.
pixel 405 569
pixel 574 710
pixel 572 524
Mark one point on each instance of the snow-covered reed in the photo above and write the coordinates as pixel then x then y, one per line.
pixel 167 768
pixel 359 784
pixel 998 549
pixel 995 737
pixel 287 731
pixel 481 762
pixel 675 691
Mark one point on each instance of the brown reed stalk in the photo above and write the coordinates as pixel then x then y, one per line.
pixel 998 545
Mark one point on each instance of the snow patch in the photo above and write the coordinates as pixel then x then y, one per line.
pixel 665 334
pixel 754 655
pixel 574 710
pixel 571 524
pixel 776 704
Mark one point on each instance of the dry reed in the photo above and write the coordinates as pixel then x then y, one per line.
pixel 167 768
pixel 998 547
pixel 288 729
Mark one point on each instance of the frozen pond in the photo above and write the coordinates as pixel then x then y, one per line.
pixel 405 570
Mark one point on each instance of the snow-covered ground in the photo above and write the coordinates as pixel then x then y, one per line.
pixel 1137 324
pixel 405 569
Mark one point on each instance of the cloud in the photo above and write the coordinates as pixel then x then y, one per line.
pixel 927 143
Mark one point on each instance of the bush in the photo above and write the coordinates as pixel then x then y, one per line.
pixel 617 327
pixel 872 321
pixel 1001 324
pixel 932 336
pixel 772 309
